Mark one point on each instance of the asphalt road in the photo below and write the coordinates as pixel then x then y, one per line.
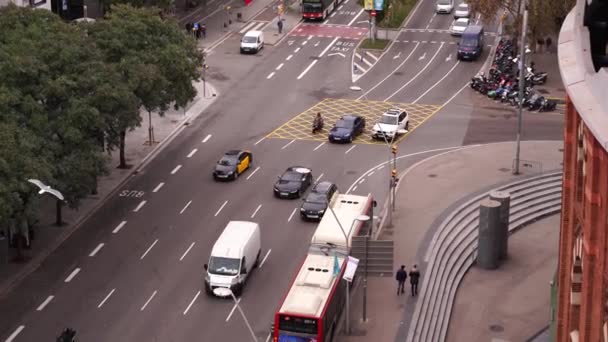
pixel 145 283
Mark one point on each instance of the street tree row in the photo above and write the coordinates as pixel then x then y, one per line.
pixel 70 93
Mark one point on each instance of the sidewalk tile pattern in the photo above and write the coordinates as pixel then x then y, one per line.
pixel 299 127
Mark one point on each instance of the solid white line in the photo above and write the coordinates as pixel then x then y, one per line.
pixel 176 169
pixel 187 250
pixel 289 143
pixel 192 302
pixel 148 301
pixel 206 138
pixel 15 333
pixel 46 301
pixel 355 17
pixel 350 149
pixel 329 46
pixel 104 300
pixel 270 75
pixel 256 211
pixel 185 207
pixel 279 66
pixel 321 144
pixel 308 68
pixel 259 26
pixel 246 28
pixel 192 153
pixel 418 74
pixel 436 83
pixel 292 213
pixel 456 94
pixel 148 250
pixel 319 178
pixel 252 173
pixel 289 57
pixel 259 141
pixel 268 338
pixel 222 207
pixel 296 50
pixel 94 252
pixel 141 204
pixel 390 74
pixel 119 227
pixel 265 257
pixel 160 185
pixel 72 275
pixel 233 308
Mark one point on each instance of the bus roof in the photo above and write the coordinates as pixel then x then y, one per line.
pixel 313 285
pixel 347 208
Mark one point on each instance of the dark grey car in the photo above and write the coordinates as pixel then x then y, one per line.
pixel 315 204
pixel 293 182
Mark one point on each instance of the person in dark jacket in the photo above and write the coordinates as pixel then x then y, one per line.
pixel 401 276
pixel 414 277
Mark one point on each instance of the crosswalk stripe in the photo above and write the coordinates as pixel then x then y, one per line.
pixel 259 26
pixel 359 67
pixel 247 27
pixel 371 55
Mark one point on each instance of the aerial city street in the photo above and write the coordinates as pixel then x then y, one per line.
pixel 248 188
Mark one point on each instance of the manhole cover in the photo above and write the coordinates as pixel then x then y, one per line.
pixel 504 169
pixel 432 175
pixel 496 328
pixel 398 73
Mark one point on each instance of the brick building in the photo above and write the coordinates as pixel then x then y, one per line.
pixel 582 313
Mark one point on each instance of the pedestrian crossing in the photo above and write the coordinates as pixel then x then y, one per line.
pixel 253 26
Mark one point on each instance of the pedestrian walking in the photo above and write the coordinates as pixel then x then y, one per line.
pixel 189 27
pixel 280 25
pixel 548 42
pixel 414 277
pixel 197 30
pixel 204 30
pixel 401 276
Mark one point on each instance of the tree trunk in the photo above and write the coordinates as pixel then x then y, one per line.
pixel 59 221
pixel 95 184
pixel 123 161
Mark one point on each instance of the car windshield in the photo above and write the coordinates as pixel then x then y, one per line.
pixel 315 197
pixel 224 266
pixel 469 42
pixel 345 123
pixel 291 176
pixel 444 2
pixel 249 39
pixel 460 23
pixel 463 7
pixel 307 7
pixel 227 161
pixel 389 120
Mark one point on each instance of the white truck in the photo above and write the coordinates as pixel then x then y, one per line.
pixel 393 122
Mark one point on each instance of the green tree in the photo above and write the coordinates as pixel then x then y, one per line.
pixel 153 57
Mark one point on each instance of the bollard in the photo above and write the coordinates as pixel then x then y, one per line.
pixel 488 247
pixel 504 198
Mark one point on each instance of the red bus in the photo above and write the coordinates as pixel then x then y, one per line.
pixel 318 9
pixel 316 298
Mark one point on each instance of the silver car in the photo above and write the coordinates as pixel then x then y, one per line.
pixel 458 26
pixel 462 11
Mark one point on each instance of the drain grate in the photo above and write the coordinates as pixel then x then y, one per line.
pixel 432 175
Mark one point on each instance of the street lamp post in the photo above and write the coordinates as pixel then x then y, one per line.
pixel 225 292
pixel 360 218
pixel 522 85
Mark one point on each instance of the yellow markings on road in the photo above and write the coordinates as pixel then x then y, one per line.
pixel 300 127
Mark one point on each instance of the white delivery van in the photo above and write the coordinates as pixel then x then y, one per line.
pixel 253 41
pixel 234 255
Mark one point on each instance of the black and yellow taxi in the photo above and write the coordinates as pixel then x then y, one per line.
pixel 232 164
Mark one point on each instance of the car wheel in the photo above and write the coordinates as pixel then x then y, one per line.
pixel 257 260
pixel 407 126
pixel 350 140
pixel 236 175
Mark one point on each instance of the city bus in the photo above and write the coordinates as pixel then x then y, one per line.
pixel 315 301
pixel 318 9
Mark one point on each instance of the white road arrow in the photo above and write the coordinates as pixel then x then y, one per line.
pixel 336 53
pixel 422 57
pixel 449 58
pixel 397 55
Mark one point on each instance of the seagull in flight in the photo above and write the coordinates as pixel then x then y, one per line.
pixel 46 188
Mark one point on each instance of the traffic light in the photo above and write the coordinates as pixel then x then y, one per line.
pixel 394 149
pixel 394 173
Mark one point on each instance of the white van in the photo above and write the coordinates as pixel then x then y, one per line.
pixel 253 41
pixel 234 255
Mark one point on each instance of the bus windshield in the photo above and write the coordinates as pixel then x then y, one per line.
pixel 299 326
pixel 312 7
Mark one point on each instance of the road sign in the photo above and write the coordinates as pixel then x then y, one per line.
pixel 351 268
pixel 379 5
pixel 373 13
pixel 369 4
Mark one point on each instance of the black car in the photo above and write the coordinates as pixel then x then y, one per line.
pixel 232 164
pixel 318 199
pixel 293 182
pixel 346 129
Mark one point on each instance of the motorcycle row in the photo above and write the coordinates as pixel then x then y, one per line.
pixel 502 82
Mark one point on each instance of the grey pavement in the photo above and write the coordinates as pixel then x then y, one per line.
pixel 427 189
pixel 48 236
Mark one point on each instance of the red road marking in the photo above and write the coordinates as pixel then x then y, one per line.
pixel 346 32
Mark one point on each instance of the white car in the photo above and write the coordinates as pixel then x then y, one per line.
pixel 394 121
pixel 462 11
pixel 458 26
pixel 444 6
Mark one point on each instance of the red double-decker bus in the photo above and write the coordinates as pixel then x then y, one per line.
pixel 318 9
pixel 316 298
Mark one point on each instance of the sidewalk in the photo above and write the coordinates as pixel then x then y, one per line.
pixel 49 237
pixel 425 192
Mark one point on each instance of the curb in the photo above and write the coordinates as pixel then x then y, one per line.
pixel 39 259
